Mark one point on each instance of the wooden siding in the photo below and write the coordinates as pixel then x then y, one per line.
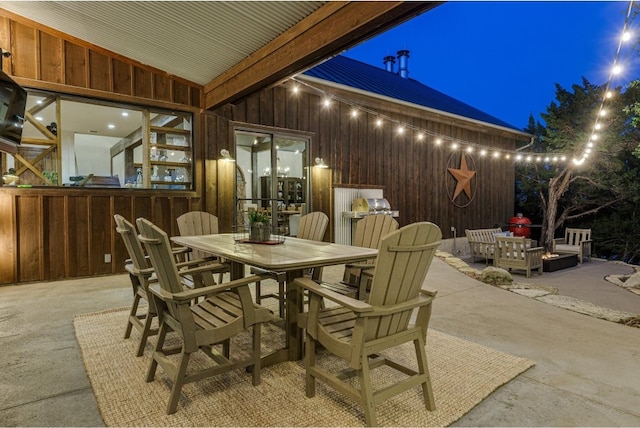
pixel 413 173
pixel 62 233
pixel 42 54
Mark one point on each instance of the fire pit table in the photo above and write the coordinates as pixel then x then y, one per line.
pixel 559 261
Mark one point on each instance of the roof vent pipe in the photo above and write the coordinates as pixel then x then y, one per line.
pixel 403 63
pixel 389 62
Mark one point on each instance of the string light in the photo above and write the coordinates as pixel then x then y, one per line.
pixel 470 147
pixel 616 69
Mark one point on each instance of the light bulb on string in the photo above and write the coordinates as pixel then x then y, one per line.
pixel 454 146
pixel 598 126
pixel 354 113
pixel 496 154
pixel 483 152
pixel 400 129
pixel 616 69
pixel 379 122
pixel 470 149
pixel 326 102
pixel 626 36
pixel 438 141
pixel 420 136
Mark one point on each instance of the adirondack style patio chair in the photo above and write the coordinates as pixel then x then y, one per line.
pixel 227 311
pixel 195 223
pixel 141 274
pixel 357 331
pixel 369 232
pixel 312 227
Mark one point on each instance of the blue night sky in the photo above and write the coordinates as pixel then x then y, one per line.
pixel 505 57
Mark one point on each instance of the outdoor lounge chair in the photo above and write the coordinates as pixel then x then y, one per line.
pixel 575 241
pixel 516 253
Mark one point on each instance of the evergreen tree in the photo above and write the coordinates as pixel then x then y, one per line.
pixel 606 180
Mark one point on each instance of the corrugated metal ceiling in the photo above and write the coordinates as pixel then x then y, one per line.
pixel 194 40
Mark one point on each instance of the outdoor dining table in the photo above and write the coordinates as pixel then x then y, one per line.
pixel 292 257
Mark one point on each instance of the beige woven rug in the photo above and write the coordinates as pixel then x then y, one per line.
pixel 463 374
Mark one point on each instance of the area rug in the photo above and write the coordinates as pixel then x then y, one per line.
pixel 463 374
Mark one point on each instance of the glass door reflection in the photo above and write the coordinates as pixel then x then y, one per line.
pixel 272 176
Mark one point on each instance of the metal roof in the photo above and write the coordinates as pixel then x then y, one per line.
pixel 375 80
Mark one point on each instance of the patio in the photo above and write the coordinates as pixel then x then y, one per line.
pixel 585 372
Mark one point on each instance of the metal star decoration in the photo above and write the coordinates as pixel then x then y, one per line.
pixel 463 175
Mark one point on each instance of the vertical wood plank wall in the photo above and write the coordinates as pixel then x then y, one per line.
pixel 41 54
pixel 61 233
pixel 413 173
pixel 54 233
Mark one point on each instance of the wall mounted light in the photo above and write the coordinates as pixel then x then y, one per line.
pixel 320 163
pixel 225 156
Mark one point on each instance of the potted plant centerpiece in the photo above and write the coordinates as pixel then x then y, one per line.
pixel 259 226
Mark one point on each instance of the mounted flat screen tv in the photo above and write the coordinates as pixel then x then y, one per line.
pixel 13 101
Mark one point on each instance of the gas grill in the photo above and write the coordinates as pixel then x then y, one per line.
pixel 362 207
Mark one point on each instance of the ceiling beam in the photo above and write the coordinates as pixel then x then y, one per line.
pixel 331 29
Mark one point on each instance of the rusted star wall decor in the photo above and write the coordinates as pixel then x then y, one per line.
pixel 463 178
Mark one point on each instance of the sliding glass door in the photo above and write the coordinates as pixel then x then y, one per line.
pixel 272 175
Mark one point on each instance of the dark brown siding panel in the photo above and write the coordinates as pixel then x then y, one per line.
pixel 28 213
pixel 196 96
pixel 142 208
pixel 122 79
pixel 24 51
pixel 180 93
pixel 180 206
pixel 51 58
pixel 162 214
pixel 54 231
pixel 142 83
pixel 99 71
pixel 412 172
pixel 75 65
pixel 78 231
pixel 101 233
pixel 8 239
pixel 162 87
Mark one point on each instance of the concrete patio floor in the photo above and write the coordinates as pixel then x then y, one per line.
pixel 586 371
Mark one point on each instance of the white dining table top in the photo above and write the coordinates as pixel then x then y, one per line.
pixel 294 253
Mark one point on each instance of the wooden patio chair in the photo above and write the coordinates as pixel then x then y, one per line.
pixel 195 223
pixel 516 253
pixel 312 226
pixel 142 274
pixel 369 233
pixel 227 311
pixel 357 331
pixel 575 241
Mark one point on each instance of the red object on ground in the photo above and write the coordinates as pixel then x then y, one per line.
pixel 519 226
